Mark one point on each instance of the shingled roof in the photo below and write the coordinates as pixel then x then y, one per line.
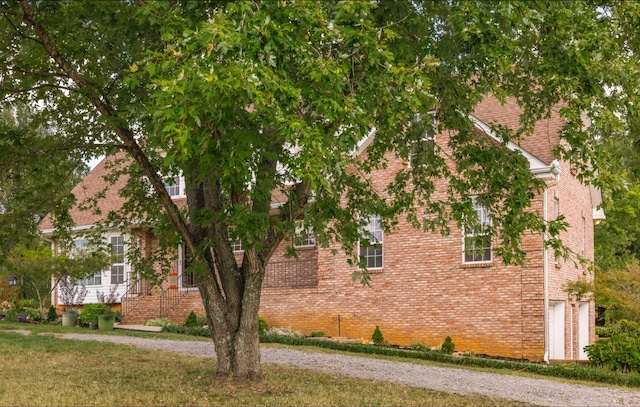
pixel 540 143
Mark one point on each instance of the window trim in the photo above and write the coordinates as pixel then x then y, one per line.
pixel 484 215
pixel 424 139
pixel 80 246
pixel 380 242
pixel 307 237
pixel 183 264
pixel 176 188
pixel 118 264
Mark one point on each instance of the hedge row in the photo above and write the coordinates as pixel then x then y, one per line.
pixel 569 371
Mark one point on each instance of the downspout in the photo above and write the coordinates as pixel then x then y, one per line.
pixel 545 273
pixel 555 171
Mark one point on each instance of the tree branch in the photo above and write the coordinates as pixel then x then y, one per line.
pixel 36 153
pixel 102 104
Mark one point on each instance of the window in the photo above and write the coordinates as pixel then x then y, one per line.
pixel 371 251
pixel 95 280
pixel 477 240
pixel 117 265
pixel 173 186
pixel 188 279
pixel 81 247
pixel 304 236
pixel 423 149
pixel 236 245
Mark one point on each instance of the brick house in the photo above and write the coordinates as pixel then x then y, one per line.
pixel 424 286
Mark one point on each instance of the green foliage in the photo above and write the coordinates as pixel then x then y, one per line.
pixel 616 236
pixel 419 347
pixel 192 320
pixel 377 337
pixel 616 290
pixel 579 290
pixel 229 90
pixel 620 352
pixel 163 322
pixel 187 330
pixel 201 320
pixel 448 347
pixel 90 313
pixel 52 315
pixel 262 325
pixel 33 314
pixel 317 334
pixel 576 372
pixel 622 326
pixel 29 303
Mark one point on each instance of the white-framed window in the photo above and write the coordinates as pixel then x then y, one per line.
pixel 477 240
pixel 423 148
pixel 117 254
pixel 80 246
pixel 305 237
pixel 172 185
pixel 188 279
pixel 236 245
pixel 371 250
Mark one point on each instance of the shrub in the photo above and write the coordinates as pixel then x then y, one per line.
pixel 34 314
pixel 191 320
pixel 202 320
pixel 317 334
pixel 52 315
pixel 29 303
pixel 187 330
pixel 621 352
pixel 90 313
pixel 262 325
pixel 163 322
pixel 377 337
pixel 448 346
pixel 419 347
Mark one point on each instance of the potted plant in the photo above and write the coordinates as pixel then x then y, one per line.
pixel 106 318
pixel 89 315
pixel 70 317
pixel 71 296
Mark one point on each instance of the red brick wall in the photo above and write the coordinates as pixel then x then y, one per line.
pixel 425 292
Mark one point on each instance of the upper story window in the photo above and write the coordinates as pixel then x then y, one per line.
pixel 371 250
pixel 236 245
pixel 423 148
pixel 477 240
pixel 172 185
pixel 305 237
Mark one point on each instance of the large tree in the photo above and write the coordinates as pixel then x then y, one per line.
pixel 246 98
pixel 30 186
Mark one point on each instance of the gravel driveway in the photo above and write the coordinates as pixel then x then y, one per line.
pixel 536 391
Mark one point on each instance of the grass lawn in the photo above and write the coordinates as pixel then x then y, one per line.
pixel 42 369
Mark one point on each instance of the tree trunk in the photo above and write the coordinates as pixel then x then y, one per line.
pixel 235 331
